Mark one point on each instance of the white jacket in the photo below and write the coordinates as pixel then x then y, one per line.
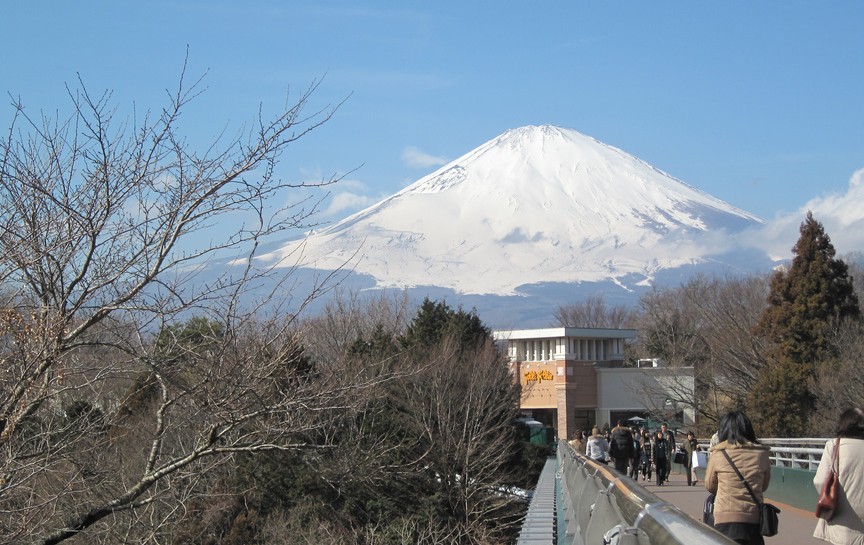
pixel 847 526
pixel 596 448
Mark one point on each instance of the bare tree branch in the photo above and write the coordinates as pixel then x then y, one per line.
pixel 105 232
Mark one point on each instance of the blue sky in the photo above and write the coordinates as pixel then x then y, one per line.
pixel 758 103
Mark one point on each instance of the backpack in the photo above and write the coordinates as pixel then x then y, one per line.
pixel 622 443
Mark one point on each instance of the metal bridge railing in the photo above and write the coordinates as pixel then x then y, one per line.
pixel 598 505
pixel 602 507
pixel 795 453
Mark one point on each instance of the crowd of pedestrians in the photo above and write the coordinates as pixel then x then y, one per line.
pixel 636 452
pixel 739 472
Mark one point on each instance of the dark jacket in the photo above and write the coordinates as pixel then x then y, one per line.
pixel 689 446
pixel 621 444
pixel 670 438
pixel 733 502
pixel 647 448
pixel 661 450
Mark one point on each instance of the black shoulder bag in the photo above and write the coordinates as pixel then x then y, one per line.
pixel 708 510
pixel 768 522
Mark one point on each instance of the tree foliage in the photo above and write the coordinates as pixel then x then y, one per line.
pixel 706 324
pixel 839 383
pixel 806 308
pixel 593 312
pixel 775 347
pixel 807 302
pixel 143 402
pixel 430 458
pixel 456 412
pixel 436 321
pixel 109 428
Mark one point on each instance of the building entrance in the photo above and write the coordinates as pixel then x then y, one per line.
pixel 584 420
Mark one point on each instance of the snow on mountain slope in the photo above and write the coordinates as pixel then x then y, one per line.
pixel 534 205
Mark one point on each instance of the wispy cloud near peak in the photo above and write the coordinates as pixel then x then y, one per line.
pixel 416 158
pixel 842 215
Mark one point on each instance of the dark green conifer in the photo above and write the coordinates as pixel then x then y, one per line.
pixel 805 306
pixel 436 320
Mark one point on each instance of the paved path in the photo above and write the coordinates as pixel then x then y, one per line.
pixel 796 525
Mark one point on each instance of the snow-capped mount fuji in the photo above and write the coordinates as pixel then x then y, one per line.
pixel 536 205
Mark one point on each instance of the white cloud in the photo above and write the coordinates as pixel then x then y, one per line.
pixel 346 195
pixel 414 157
pixel 353 197
pixel 346 200
pixel 857 179
pixel 841 214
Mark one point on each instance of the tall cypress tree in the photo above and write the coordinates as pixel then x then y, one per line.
pixel 805 305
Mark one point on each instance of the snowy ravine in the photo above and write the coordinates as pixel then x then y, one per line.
pixel 536 205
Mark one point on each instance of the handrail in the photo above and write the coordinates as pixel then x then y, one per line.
pixel 602 506
pixel 797 453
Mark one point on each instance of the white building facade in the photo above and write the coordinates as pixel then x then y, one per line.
pixel 575 378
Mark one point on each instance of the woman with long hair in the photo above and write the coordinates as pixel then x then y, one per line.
pixel 690 445
pixel 597 448
pixel 846 526
pixel 736 514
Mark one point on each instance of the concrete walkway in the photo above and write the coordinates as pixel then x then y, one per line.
pixel 796 525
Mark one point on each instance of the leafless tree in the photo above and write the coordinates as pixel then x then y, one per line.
pixel 707 324
pixel 729 309
pixel 349 316
pixel 593 312
pixel 464 406
pixel 839 384
pixel 100 231
pixel 442 433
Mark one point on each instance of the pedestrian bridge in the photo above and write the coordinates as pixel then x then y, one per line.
pixel 580 502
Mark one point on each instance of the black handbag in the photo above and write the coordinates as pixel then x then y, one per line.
pixel 708 510
pixel 768 521
pixel 680 457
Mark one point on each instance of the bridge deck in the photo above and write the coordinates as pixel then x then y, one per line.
pixel 796 525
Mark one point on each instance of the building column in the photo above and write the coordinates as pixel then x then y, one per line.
pixel 564 396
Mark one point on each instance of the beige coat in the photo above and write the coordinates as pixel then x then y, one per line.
pixel 847 525
pixel 733 502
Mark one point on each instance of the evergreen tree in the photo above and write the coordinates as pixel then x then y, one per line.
pixel 805 307
pixel 807 302
pixel 435 321
pixel 194 337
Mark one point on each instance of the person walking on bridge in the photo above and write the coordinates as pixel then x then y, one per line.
pixel 621 446
pixel 576 442
pixel 646 453
pixel 669 435
pixel 661 454
pixel 846 526
pixel 690 445
pixel 596 446
pixel 634 462
pixel 736 515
